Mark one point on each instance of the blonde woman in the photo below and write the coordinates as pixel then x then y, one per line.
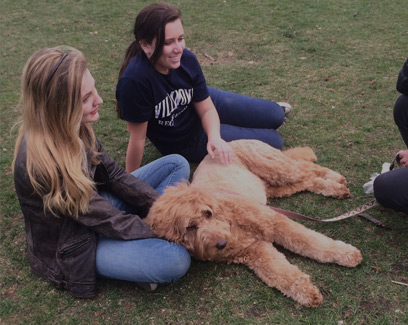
pixel 83 213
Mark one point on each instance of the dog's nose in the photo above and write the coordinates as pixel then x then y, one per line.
pixel 221 244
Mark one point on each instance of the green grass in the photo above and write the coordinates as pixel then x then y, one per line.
pixel 335 61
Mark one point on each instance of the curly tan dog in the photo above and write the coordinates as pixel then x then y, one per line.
pixel 222 215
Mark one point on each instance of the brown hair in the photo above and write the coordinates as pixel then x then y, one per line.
pixel 149 25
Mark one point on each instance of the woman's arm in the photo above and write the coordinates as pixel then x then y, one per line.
pixel 211 125
pixel 135 149
pixel 106 219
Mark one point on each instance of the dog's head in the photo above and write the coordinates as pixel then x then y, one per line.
pixel 191 217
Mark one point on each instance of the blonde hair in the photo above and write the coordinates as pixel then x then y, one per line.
pixel 51 104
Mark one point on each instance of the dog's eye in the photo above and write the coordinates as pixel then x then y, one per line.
pixel 208 214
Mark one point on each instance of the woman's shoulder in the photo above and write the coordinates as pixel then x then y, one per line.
pixel 137 68
pixel 189 56
pixel 138 74
pixel 190 64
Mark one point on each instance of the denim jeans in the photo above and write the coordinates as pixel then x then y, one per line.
pixel 150 260
pixel 390 188
pixel 241 117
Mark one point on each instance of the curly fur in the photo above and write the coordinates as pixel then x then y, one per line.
pixel 222 215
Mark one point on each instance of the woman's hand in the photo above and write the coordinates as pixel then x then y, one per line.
pixel 403 155
pixel 211 125
pixel 222 148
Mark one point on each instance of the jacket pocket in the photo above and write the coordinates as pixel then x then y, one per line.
pixel 77 261
pixel 75 248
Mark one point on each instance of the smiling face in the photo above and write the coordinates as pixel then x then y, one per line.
pixel 90 99
pixel 173 47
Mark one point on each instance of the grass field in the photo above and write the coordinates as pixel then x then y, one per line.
pixel 335 61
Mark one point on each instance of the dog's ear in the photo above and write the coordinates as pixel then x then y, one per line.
pixel 166 225
pixel 189 237
pixel 179 229
pixel 171 213
pixel 166 217
pixel 171 231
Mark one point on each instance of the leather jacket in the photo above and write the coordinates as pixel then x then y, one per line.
pixel 63 249
pixel 402 83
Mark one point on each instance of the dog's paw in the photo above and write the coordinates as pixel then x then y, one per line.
pixel 348 255
pixel 305 293
pixel 336 190
pixel 344 193
pixel 353 258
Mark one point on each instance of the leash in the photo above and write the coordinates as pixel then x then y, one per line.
pixel 396 161
pixel 359 211
pixel 355 212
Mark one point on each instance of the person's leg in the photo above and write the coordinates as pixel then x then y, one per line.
pixel 269 136
pixel 146 260
pixel 165 171
pixel 160 173
pixel 390 189
pixel 244 111
pixel 401 116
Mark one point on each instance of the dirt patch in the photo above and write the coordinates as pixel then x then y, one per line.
pixel 255 312
pixel 400 267
pixel 373 305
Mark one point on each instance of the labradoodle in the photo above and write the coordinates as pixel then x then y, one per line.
pixel 222 215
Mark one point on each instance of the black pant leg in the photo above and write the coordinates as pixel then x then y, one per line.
pixel 391 189
pixel 401 116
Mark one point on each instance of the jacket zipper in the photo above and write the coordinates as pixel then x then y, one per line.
pixel 74 247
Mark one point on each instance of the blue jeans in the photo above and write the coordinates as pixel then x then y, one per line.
pixel 241 117
pixel 150 260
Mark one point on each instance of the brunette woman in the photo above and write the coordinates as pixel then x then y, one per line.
pixel 162 94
